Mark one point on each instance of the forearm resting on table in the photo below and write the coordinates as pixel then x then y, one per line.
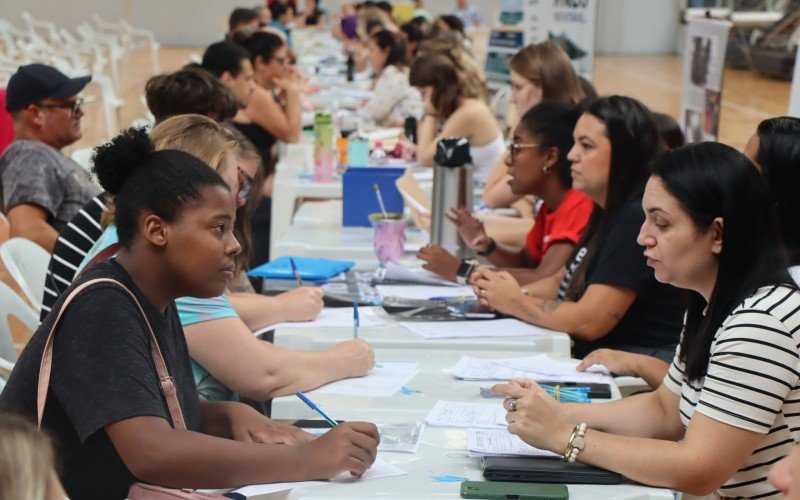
pixel 257 311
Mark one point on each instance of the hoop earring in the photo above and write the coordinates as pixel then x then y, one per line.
pixel 546 169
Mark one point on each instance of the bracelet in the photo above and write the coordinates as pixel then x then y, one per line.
pixel 576 443
pixel 490 249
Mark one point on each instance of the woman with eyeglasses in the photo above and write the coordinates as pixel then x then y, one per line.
pixel 606 295
pixel 228 362
pixel 537 165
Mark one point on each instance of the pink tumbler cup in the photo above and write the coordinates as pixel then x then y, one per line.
pixel 390 236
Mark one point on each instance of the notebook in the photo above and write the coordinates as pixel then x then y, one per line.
pixel 309 268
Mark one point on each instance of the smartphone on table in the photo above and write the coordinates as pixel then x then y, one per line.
pixel 502 490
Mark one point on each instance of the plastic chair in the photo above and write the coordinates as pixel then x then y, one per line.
pixel 27 263
pixel 12 304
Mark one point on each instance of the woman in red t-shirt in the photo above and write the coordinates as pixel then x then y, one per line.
pixel 537 165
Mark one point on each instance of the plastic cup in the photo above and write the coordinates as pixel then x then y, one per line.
pixel 390 236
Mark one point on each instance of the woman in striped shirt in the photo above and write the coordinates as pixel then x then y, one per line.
pixel 729 407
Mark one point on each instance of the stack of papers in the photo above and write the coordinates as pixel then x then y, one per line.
pixel 539 367
pixel 467 415
pixel 334 317
pixel 507 327
pixel 493 443
pixel 425 292
pixel 386 379
pixel 379 469
pixel 395 436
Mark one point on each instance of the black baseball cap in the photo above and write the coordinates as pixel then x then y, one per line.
pixel 34 82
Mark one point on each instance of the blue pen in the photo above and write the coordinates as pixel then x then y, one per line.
pixel 314 407
pixel 296 272
pixel 356 320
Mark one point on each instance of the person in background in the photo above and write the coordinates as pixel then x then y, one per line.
pixel 669 131
pixel 274 113
pixel 26 462
pixel 728 408
pixel 394 98
pixel 537 165
pixel 607 295
pixel 414 36
pixel 451 111
pixel 283 19
pixel 420 11
pixel 539 72
pixel 41 188
pixel 105 405
pixel 448 22
pixel 264 15
pixel 347 29
pixel 186 91
pixel 313 15
pixel 242 19
pixel 470 74
pixel 231 64
pixel 469 15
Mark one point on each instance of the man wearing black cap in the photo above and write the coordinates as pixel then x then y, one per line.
pixel 41 188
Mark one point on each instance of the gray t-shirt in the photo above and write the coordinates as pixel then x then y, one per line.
pixel 33 172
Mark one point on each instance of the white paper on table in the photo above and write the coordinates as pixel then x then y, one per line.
pixel 491 442
pixel 385 380
pixel 467 415
pixel 334 317
pixel 379 469
pixel 506 327
pixel 402 437
pixel 424 292
pixel 472 368
pixel 543 367
pixel 396 272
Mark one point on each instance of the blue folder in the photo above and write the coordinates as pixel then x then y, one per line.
pixel 309 269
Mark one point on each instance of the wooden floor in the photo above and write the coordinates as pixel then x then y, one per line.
pixel 655 80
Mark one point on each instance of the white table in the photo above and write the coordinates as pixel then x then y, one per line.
pixel 333 241
pixel 394 336
pixel 442 451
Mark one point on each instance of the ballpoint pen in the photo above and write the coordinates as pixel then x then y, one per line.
pixel 313 406
pixel 356 320
pixel 296 272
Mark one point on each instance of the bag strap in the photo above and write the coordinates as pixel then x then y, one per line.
pixel 167 383
pixel 104 254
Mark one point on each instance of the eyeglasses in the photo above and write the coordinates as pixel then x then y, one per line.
pixel 514 148
pixel 74 106
pixel 244 186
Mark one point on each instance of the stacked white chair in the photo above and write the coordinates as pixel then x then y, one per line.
pixel 27 263
pixel 12 304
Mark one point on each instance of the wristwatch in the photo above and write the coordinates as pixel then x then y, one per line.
pixel 464 270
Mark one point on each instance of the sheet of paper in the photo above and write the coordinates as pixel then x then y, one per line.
pixel 472 368
pixel 384 380
pixel 395 436
pixel 397 272
pixel 336 317
pixel 467 415
pixel 379 469
pixel 490 442
pixel 424 292
pixel 543 367
pixel 506 327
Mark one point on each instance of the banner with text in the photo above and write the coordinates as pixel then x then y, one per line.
pixel 571 23
pixel 703 69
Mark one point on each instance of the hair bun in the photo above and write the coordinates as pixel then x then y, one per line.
pixel 116 160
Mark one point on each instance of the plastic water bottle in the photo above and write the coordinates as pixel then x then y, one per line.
pixel 351 66
pixel 323 147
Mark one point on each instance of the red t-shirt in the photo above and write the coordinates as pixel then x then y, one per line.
pixel 564 224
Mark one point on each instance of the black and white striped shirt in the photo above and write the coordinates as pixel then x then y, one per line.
pixel 74 241
pixel 753 383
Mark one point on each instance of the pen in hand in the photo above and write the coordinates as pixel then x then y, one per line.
pixel 313 406
pixel 356 320
pixel 296 272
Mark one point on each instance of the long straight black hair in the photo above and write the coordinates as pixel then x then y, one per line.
pixel 712 180
pixel 779 158
pixel 634 142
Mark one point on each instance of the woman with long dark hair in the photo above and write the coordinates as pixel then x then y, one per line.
pixel 729 406
pixel 606 295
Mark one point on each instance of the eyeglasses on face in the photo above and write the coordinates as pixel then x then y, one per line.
pixel 245 183
pixel 514 148
pixel 74 106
